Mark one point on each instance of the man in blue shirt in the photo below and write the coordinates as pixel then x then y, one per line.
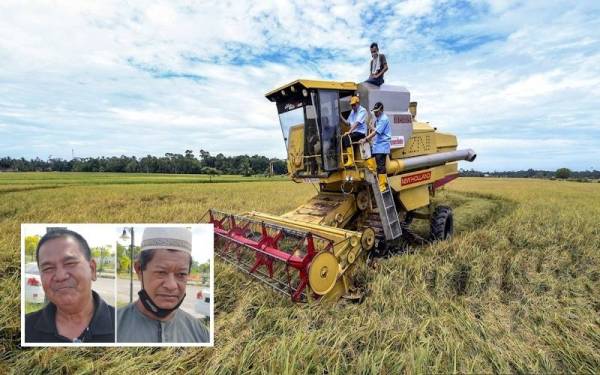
pixel 358 128
pixel 381 144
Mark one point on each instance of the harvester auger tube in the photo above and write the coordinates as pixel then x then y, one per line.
pixel 300 263
pixel 408 164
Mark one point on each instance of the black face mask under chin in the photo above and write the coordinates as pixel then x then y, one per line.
pixel 152 307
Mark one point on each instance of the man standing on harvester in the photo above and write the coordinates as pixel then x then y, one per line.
pixel 357 119
pixel 381 144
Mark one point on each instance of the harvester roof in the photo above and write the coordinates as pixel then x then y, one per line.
pixel 299 84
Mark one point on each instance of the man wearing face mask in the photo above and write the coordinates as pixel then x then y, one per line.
pixel 163 267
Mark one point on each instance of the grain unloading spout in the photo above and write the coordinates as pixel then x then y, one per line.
pixel 401 165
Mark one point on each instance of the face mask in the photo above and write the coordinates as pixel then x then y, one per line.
pixel 152 307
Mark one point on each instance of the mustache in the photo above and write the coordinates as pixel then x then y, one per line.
pixel 60 286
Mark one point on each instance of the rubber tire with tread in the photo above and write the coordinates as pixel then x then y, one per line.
pixel 442 224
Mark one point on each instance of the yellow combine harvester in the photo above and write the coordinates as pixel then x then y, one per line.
pixel 309 253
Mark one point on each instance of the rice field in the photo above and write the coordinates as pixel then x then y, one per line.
pixel 517 290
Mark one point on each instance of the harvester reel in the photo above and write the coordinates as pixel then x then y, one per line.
pixel 323 273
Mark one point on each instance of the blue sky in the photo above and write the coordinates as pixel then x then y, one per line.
pixel 518 81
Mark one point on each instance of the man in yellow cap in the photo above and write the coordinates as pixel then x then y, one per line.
pixel 358 128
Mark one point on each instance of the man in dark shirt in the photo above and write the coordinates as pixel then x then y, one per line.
pixel 75 313
pixel 378 66
pixel 40 326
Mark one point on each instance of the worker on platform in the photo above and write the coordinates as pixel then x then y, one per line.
pixel 378 66
pixel 382 137
pixel 357 120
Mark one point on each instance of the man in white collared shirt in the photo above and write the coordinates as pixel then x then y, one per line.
pixel 358 128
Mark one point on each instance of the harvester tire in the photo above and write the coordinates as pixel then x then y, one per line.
pixel 442 224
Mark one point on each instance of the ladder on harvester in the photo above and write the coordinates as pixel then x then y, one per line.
pixel 387 208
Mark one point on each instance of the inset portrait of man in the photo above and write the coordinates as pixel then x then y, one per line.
pixel 162 267
pixel 75 313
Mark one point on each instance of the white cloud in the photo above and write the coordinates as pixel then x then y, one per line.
pixel 414 8
pixel 139 78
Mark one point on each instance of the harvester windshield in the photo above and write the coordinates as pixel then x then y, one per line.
pixel 315 119
pixel 290 114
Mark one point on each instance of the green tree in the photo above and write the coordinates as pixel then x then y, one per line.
pixel 124 263
pixel 106 254
pixel 210 172
pixel 563 173
pixel 245 168
pixel 31 243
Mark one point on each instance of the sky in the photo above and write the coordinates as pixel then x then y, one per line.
pixel 106 235
pixel 517 81
pixel 96 235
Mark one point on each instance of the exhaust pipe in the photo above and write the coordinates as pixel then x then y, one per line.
pixel 412 108
pixel 408 164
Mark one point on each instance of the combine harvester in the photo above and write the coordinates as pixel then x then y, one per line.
pixel 309 253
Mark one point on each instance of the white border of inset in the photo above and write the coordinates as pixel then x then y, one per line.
pixel 117 344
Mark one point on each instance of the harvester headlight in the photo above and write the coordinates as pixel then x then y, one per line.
pixel 304 93
pixel 283 92
pixel 293 89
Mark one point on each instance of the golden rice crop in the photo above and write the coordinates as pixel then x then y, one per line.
pixel 516 290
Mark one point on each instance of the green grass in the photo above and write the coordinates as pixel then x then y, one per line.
pixel 517 290
pixel 31 307
pixel 54 179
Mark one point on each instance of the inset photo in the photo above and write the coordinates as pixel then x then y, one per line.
pixel 68 284
pixel 165 285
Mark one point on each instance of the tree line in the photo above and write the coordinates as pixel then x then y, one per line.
pixel 101 254
pixel 186 163
pixel 205 163
pixel 561 173
pixel 198 270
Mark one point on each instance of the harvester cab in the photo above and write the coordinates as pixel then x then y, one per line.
pixel 309 253
pixel 309 115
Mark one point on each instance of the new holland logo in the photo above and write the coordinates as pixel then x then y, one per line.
pixel 413 179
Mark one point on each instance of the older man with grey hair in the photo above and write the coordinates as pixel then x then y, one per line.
pixel 163 267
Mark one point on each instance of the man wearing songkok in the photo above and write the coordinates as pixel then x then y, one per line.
pixel 163 267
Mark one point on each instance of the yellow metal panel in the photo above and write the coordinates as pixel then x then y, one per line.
pixel 420 127
pixel 332 209
pixel 415 197
pixel 421 143
pixel 314 84
pixel 445 142
pixel 411 179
